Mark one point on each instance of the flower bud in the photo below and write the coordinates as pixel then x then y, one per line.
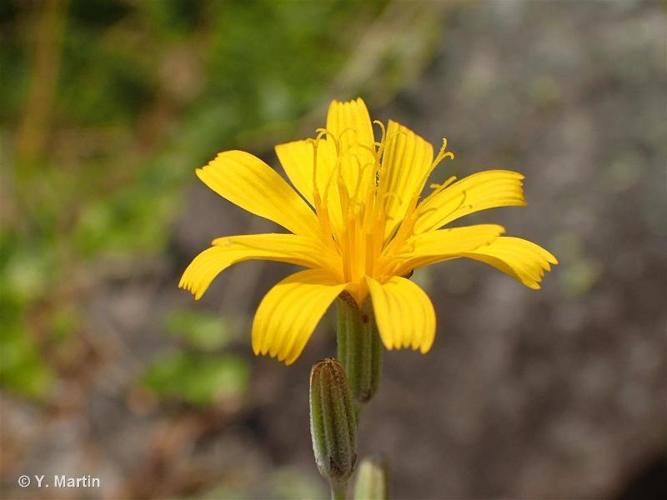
pixel 371 482
pixel 333 425
pixel 359 347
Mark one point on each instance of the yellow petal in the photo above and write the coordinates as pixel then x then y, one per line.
pixel 404 314
pixel 290 248
pixel 298 159
pixel 435 246
pixel 406 163
pixel 350 123
pixel 248 182
pixel 521 259
pixel 349 128
pixel 480 191
pixel 289 313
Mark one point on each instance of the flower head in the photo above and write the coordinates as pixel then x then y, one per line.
pixel 359 224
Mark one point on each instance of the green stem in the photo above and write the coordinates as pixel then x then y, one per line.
pixel 338 490
pixel 359 348
pixel 371 481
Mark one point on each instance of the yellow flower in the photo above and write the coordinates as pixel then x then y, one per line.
pixel 358 224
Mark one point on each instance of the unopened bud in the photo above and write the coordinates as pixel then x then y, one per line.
pixel 359 347
pixel 333 425
pixel 371 482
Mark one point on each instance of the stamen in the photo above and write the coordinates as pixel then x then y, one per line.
pixel 382 129
pixel 369 261
pixel 360 176
pixel 461 204
pixel 329 135
pixel 379 145
pixel 347 131
pixel 389 138
pixel 404 231
pixel 442 154
pixel 390 195
pixel 439 187
pixel 343 194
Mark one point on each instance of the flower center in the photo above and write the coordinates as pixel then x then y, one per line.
pixel 352 202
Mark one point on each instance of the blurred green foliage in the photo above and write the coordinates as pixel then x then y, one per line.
pixel 197 378
pixel 202 330
pixel 197 373
pixel 106 108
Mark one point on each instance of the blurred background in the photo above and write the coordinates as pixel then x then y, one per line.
pixel 107 369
